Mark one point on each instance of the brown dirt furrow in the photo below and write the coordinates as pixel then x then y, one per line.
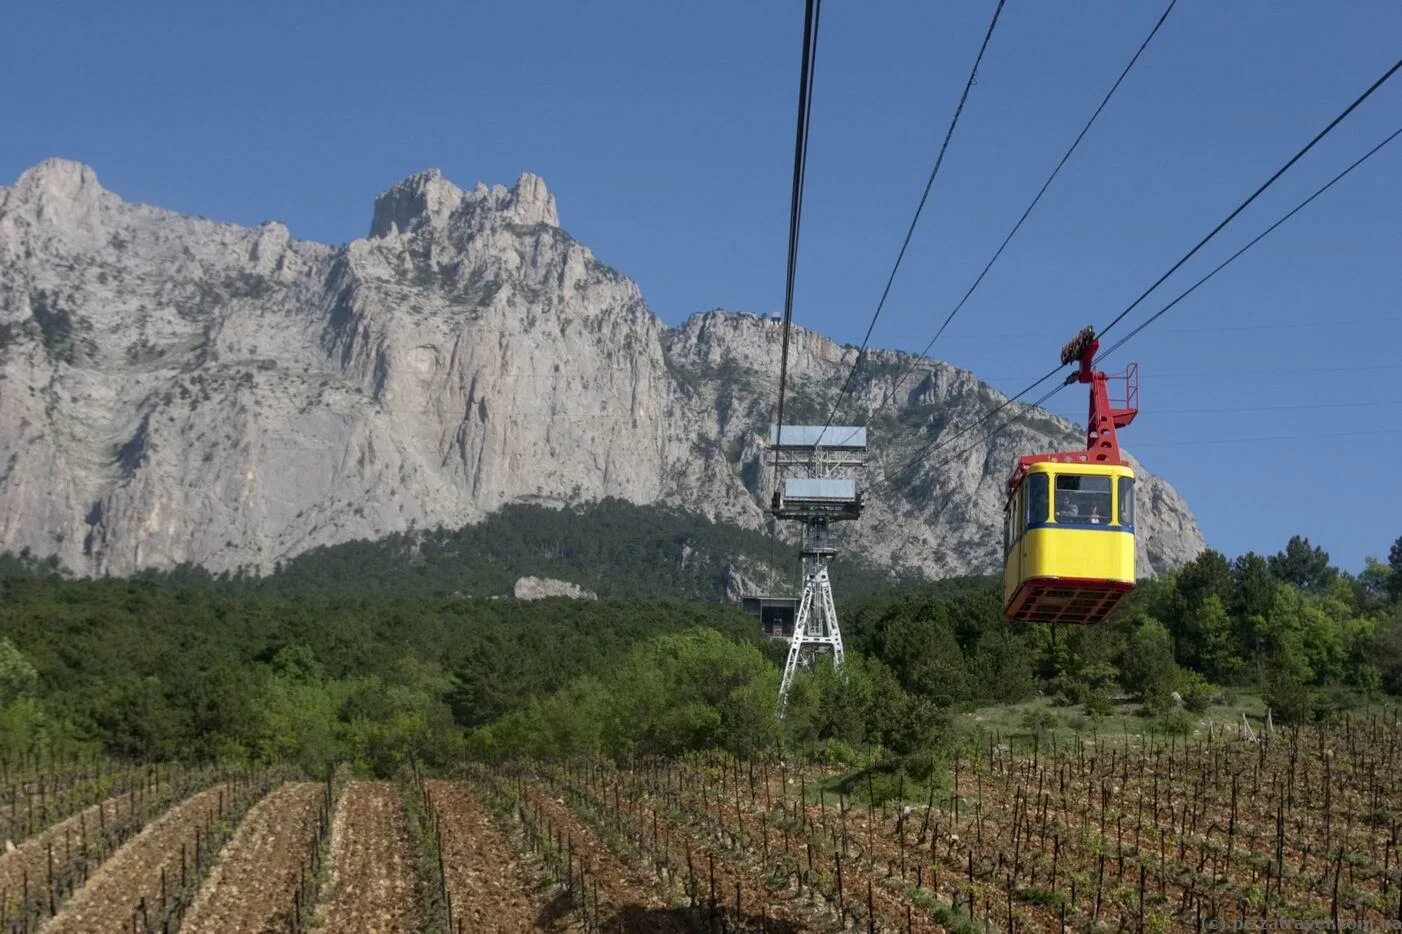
pixel 491 885
pixel 372 883
pixel 111 895
pixel 251 886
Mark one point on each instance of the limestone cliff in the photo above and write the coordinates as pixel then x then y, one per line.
pixel 174 389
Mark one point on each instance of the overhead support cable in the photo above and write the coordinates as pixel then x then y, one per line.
pixel 1291 371
pixel 888 479
pixel 1255 240
pixel 1036 199
pixel 1288 407
pixel 1254 195
pixel 919 208
pixel 811 16
pixel 1029 337
pixel 1217 229
pixel 1256 439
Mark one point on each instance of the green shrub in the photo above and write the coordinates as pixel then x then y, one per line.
pixel 836 752
pixel 1175 720
pixel 1196 692
pixel 1038 721
pixel 1099 704
pixel 1290 699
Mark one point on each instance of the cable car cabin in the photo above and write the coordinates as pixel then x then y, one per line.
pixel 1068 524
pixel 1069 542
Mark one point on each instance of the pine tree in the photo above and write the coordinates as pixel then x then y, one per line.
pixel 1394 561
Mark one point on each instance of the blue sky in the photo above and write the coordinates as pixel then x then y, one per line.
pixel 665 131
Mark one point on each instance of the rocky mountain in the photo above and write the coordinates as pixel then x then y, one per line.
pixel 178 390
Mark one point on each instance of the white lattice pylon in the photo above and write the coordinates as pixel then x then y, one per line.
pixel 815 628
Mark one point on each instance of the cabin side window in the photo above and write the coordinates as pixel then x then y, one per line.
pixel 1127 501
pixel 1015 515
pixel 1036 489
pixel 1082 500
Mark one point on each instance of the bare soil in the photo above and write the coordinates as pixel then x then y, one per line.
pixel 251 887
pixel 492 887
pixel 372 883
pixel 111 896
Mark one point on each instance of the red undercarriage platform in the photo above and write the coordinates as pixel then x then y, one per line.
pixel 1066 600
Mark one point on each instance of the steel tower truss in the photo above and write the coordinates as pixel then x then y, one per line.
pixel 817 487
pixel 816 630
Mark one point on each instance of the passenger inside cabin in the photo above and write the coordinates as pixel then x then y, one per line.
pixel 1082 500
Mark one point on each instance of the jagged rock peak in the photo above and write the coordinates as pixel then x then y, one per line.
pixel 56 184
pixel 427 199
pixel 423 199
pixel 532 202
pixel 58 177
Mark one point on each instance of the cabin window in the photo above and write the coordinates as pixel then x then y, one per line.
pixel 1036 489
pixel 1014 511
pixel 1126 501
pixel 1082 500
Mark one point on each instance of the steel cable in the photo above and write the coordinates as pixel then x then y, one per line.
pixel 919 208
pixel 915 362
pixel 937 444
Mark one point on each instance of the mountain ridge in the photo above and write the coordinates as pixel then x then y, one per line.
pixel 178 390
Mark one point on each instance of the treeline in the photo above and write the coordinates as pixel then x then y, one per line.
pixel 1313 639
pixel 614 548
pixel 1309 636
pixel 697 690
pixel 157 670
pixel 151 672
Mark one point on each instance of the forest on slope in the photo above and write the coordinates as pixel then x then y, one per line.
pixel 208 669
pixel 614 548
pixel 152 672
pixel 1312 639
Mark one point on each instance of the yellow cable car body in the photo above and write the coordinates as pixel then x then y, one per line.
pixel 1068 522
pixel 1069 542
